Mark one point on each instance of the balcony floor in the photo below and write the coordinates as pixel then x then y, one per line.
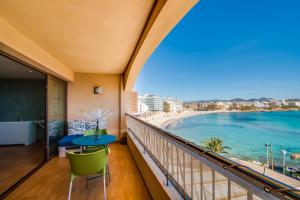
pixel 52 180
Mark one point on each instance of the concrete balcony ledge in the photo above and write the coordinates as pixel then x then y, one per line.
pixel 154 178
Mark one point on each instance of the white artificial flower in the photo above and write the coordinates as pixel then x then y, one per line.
pixel 99 115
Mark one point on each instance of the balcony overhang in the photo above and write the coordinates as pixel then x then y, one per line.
pixel 108 37
pixel 162 20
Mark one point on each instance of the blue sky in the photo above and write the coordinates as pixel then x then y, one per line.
pixel 227 49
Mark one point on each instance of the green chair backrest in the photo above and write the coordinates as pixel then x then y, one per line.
pixel 92 132
pixel 87 163
pixel 95 148
pixel 89 132
pixel 104 132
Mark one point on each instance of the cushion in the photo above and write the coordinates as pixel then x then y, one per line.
pixel 67 140
pixel 76 127
pixel 90 125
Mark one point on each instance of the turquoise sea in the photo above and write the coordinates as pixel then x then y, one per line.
pixel 246 133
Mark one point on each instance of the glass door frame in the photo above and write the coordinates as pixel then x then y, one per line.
pixel 17 57
pixel 47 150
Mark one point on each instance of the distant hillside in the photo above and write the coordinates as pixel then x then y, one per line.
pixel 231 100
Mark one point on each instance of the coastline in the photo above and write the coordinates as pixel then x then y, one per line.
pixel 163 120
pixel 166 123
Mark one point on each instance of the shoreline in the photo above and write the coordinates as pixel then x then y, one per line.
pixel 166 123
pixel 163 120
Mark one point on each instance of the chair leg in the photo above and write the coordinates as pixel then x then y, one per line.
pixel 70 190
pixel 108 173
pixel 104 186
pixel 87 182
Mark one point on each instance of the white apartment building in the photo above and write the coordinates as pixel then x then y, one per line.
pixel 276 103
pixel 176 105
pixel 284 102
pixel 223 105
pixel 294 104
pixel 259 104
pixel 142 107
pixel 155 103
pixel 173 105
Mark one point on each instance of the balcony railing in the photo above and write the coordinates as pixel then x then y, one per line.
pixel 200 174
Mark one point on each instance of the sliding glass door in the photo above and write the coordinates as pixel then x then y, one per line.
pixel 32 120
pixel 22 122
pixel 56 113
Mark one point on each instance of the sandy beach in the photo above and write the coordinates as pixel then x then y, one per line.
pixel 163 119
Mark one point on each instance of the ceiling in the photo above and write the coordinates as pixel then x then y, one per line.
pixel 88 36
pixel 13 69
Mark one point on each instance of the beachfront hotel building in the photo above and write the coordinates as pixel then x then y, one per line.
pixel 173 105
pixel 61 57
pixel 142 107
pixel 154 103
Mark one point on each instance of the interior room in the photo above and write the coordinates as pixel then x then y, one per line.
pixel 22 121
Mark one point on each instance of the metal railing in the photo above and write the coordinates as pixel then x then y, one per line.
pixel 200 174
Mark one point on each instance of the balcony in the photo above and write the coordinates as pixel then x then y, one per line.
pixel 52 180
pixel 87 44
pixel 71 49
pixel 157 165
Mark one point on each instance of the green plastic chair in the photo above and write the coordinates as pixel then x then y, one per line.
pixel 85 164
pixel 94 149
pixel 92 132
